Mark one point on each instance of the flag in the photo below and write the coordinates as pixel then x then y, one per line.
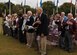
pixel 9 3
pixel 57 1
pixel 40 3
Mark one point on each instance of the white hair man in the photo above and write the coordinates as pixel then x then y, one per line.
pixel 30 32
pixel 69 29
pixel 42 30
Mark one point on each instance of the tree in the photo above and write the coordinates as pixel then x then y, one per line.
pixel 14 8
pixel 48 7
pixel 66 8
pixel 1 8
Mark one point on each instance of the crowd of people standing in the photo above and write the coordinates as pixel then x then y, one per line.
pixel 59 29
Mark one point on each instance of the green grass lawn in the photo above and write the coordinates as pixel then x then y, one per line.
pixel 10 46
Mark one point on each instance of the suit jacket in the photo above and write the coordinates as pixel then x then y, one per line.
pixel 30 23
pixel 43 27
pixel 72 28
pixel 20 22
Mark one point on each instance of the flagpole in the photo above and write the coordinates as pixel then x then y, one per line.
pixel 53 11
pixel 4 9
pixel 71 7
pixel 5 12
pixel 75 6
pixel 40 3
pixel 75 10
pixel 37 3
pixel 57 6
pixel 9 7
pixel 54 8
pixel 24 6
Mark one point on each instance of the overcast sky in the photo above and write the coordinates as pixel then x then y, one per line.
pixel 33 3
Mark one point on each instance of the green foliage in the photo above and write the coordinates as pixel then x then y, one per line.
pixel 14 8
pixel 1 8
pixel 66 8
pixel 48 7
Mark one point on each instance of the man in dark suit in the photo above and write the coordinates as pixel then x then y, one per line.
pixel 42 30
pixel 20 23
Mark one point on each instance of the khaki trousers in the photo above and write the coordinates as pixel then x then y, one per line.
pixel 30 38
pixel 42 44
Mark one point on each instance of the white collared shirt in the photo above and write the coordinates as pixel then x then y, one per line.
pixel 75 19
pixel 24 23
